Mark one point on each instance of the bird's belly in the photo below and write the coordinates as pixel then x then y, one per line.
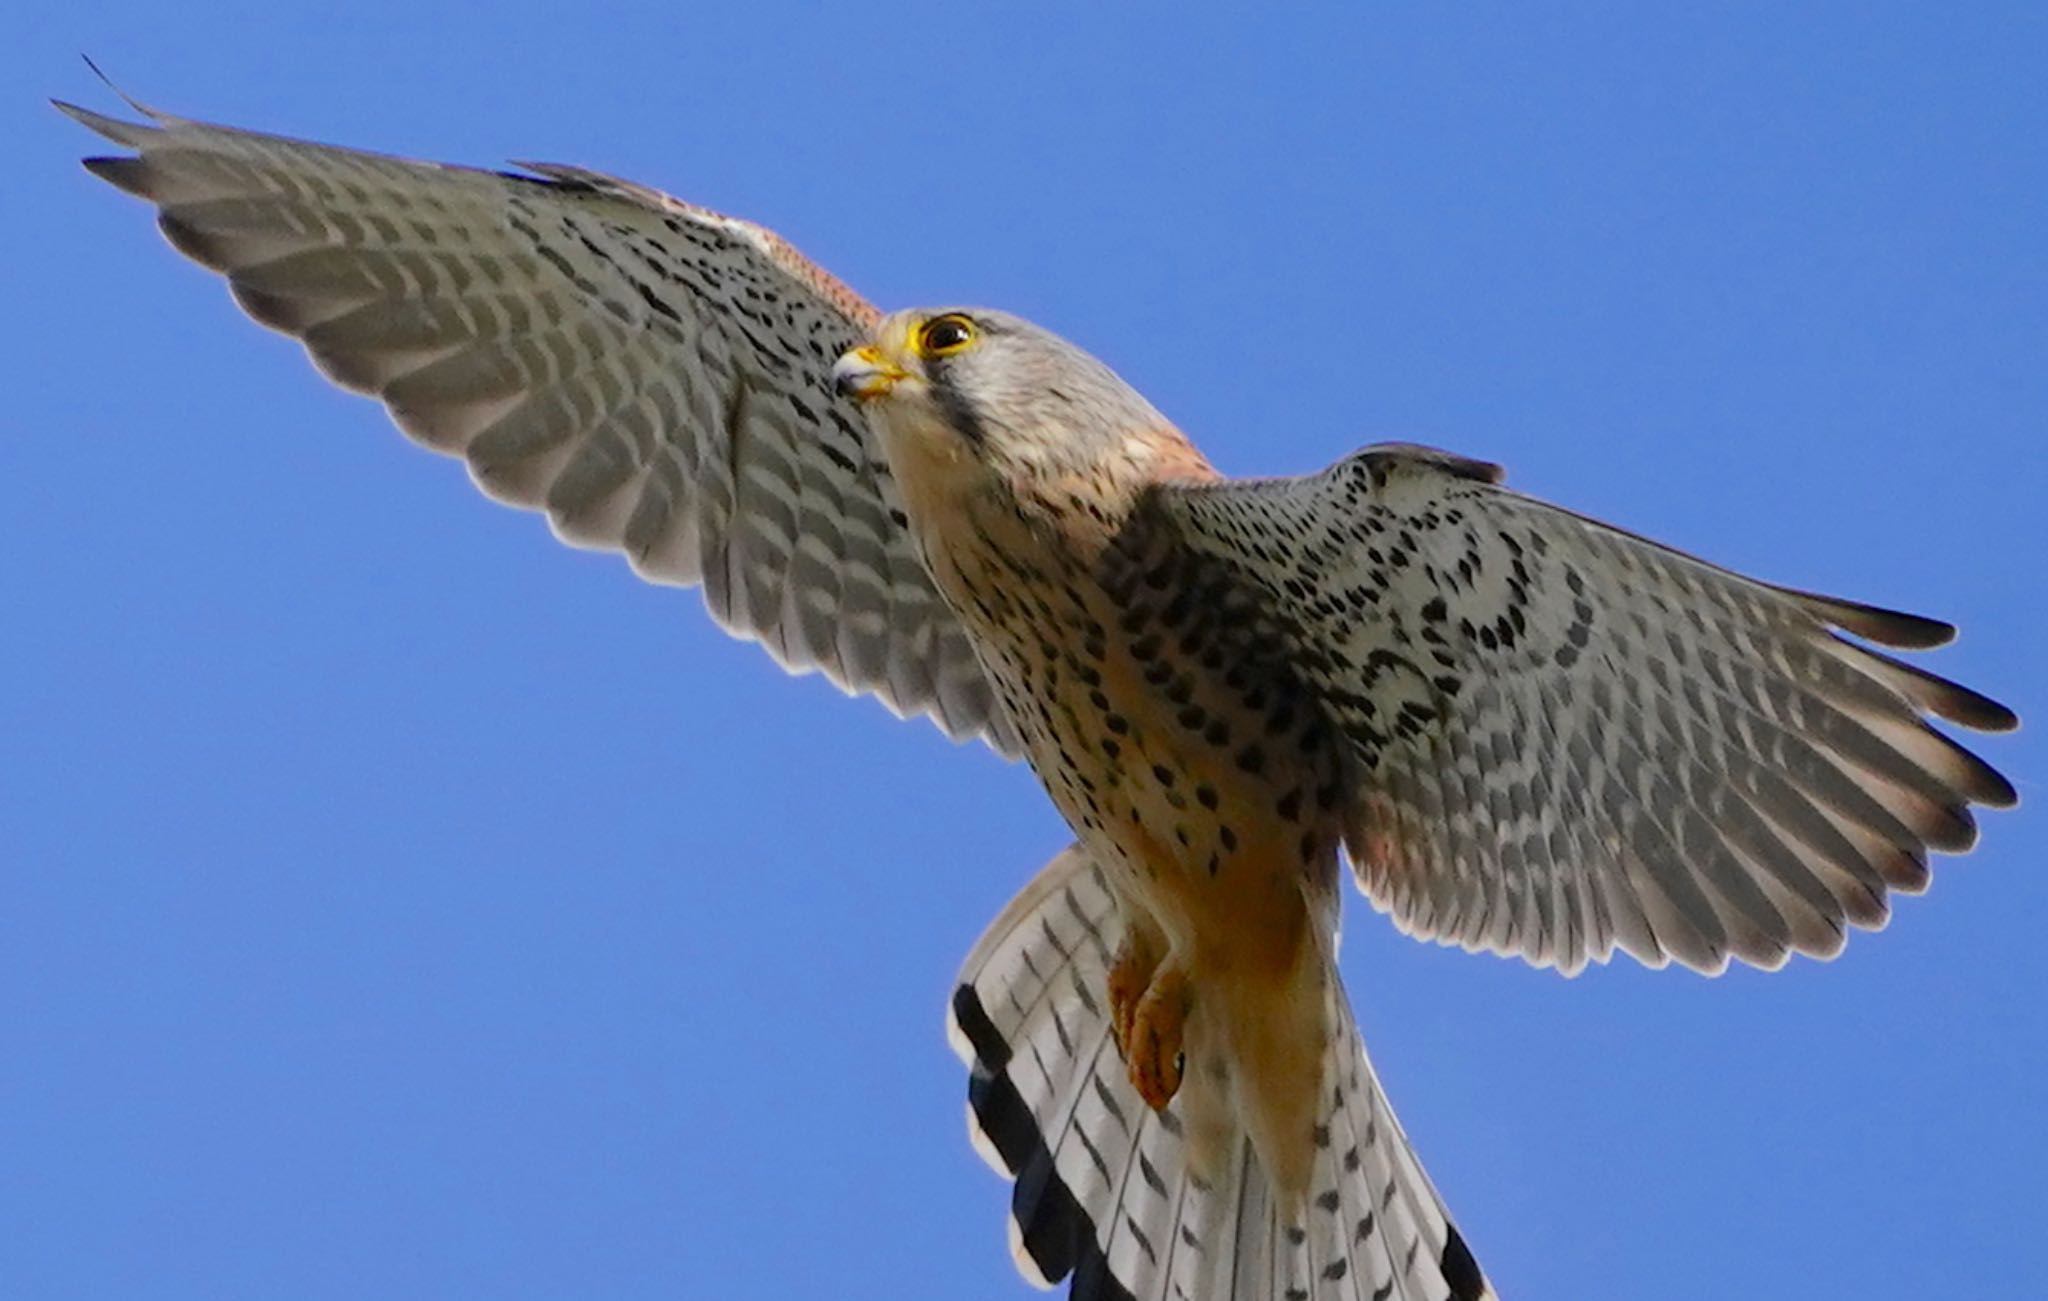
pixel 1212 821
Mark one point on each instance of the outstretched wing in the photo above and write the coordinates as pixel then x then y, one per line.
pixel 1568 738
pixel 651 374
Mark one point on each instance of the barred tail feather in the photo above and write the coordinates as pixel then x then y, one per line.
pixel 1106 1191
pixel 1374 1211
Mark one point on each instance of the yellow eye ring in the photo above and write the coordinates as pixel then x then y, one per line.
pixel 942 336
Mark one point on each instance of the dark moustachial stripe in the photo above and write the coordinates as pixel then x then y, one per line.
pixel 959 412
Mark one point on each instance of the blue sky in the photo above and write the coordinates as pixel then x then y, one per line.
pixel 396 903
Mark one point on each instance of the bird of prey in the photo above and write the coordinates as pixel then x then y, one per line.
pixel 1525 731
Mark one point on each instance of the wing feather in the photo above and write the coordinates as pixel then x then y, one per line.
pixel 1567 738
pixel 649 374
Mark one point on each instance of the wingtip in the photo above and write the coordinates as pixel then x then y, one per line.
pixel 1998 791
pixel 126 98
pixel 1894 628
pixel 131 134
pixel 1990 716
pixel 1979 712
pixel 125 172
pixel 113 128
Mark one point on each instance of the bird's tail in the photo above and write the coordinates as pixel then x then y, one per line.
pixel 1105 1189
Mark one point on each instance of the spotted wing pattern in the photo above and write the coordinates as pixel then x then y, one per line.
pixel 1105 1195
pixel 652 375
pixel 1567 738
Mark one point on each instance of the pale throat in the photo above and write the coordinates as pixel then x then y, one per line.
pixel 936 473
pixel 956 493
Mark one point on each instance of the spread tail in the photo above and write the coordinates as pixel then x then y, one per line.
pixel 1106 1191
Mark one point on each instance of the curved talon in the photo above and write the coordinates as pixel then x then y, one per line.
pixel 1129 975
pixel 1153 1055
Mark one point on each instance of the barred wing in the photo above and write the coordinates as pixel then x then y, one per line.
pixel 651 374
pixel 1568 738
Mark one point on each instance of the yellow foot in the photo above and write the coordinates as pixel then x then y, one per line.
pixel 1129 975
pixel 1153 1044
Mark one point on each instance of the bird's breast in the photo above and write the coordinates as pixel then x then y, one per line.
pixel 1164 724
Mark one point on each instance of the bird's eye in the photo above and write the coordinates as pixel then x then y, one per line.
pixel 942 336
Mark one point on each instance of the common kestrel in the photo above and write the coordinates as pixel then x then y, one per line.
pixel 1526 731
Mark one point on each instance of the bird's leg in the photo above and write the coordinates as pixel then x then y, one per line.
pixel 1137 956
pixel 1148 1007
pixel 1152 1052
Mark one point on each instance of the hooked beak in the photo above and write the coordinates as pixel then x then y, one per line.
pixel 864 374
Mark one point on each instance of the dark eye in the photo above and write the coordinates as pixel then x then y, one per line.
pixel 942 336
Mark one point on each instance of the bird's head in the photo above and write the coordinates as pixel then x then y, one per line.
pixel 967 388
